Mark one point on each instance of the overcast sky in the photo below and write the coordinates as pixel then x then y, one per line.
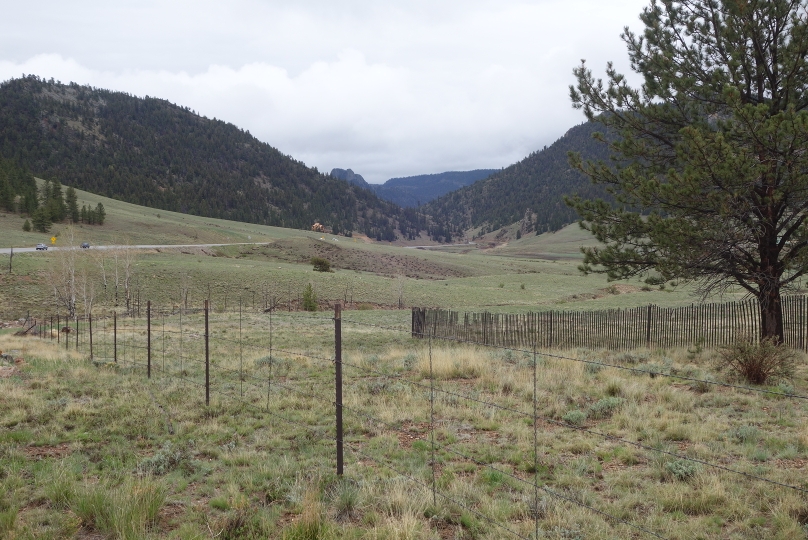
pixel 386 88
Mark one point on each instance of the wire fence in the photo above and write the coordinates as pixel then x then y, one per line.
pixel 415 414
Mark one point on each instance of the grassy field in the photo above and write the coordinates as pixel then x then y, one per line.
pixel 534 272
pixel 95 450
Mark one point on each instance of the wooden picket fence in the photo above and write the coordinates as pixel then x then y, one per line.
pixel 708 325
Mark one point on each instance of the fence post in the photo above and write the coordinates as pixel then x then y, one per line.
pixel 338 377
pixel 115 336
pixel 207 358
pixel 432 416
pixel 648 328
pixel 90 320
pixel 58 329
pixel 77 333
pixel 148 339
pixel 535 443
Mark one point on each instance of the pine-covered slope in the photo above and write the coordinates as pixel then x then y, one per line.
pixel 412 191
pixel 151 152
pixel 534 187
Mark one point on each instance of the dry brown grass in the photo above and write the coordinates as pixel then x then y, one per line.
pixel 255 464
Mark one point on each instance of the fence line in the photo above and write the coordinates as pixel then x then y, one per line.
pixel 505 332
pixel 705 325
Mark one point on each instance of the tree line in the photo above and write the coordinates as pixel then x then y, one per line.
pixel 44 206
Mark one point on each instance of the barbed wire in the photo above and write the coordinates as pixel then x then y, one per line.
pixel 443 495
pixel 506 473
pixel 582 429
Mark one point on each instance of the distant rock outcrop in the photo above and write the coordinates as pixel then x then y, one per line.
pixel 350 176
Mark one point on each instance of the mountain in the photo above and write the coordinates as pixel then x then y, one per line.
pixel 151 152
pixel 530 191
pixel 412 191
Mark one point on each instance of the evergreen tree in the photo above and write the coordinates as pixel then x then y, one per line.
pixel 6 195
pixel 71 201
pixel 29 204
pixel 84 216
pixel 57 202
pixel 100 214
pixel 41 220
pixel 711 148
pixel 26 226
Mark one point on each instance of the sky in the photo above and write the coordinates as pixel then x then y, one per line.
pixel 387 89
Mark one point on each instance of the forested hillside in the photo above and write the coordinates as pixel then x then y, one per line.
pixel 151 152
pixel 533 187
pixel 413 191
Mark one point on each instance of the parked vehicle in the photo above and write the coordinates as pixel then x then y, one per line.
pixel 85 245
pixel 41 247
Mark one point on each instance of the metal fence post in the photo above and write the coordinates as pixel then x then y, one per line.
pixel 90 320
pixel 207 358
pixel 432 415
pixel 115 336
pixel 148 339
pixel 77 333
pixel 338 377
pixel 58 329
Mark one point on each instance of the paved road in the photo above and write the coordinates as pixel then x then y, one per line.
pixel 6 251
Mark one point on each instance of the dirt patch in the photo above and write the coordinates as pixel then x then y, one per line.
pixel 791 463
pixel 411 432
pixel 620 288
pixel 39 452
pixel 300 251
pixel 7 371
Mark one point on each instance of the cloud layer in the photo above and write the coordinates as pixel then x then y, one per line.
pixel 387 89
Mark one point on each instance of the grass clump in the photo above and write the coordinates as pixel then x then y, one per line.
pixel 757 363
pixel 127 511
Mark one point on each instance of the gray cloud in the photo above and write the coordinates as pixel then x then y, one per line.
pixel 387 89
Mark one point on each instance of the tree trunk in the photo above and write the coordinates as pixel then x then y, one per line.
pixel 771 315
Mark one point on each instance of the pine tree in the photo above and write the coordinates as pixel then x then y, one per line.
pixel 6 195
pixel 57 204
pixel 71 201
pixel 100 214
pixel 711 149
pixel 41 220
pixel 26 226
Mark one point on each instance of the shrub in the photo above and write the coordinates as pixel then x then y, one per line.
pixel 681 469
pixel 320 264
pixel 309 298
pixel 605 407
pixel 756 363
pixel 575 418
pixel 746 434
pixel 167 459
